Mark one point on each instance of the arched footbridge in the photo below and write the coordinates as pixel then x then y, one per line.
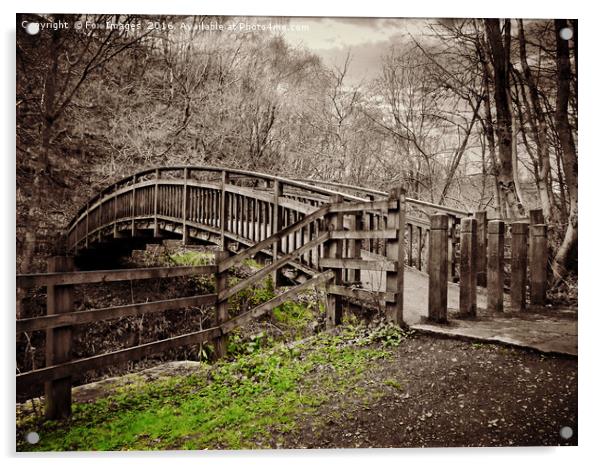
pixel 237 209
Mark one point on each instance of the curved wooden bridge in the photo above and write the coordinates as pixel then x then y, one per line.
pixel 235 209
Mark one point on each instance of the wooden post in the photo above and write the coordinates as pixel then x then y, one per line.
pixel 223 211
pixel 481 218
pixel 87 222
pixel 539 264
pixel 156 203
pixel 536 217
pixel 333 249
pixel 438 269
pixel 396 252
pixel 276 227
pixel 221 312
pixel 495 266
pixel 115 206
pixel 185 207
pixel 518 277
pixel 355 247
pixel 468 267
pixel 451 251
pixel 58 341
pixel 133 207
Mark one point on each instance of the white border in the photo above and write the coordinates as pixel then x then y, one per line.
pixel 590 143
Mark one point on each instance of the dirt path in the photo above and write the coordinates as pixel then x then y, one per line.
pixel 442 392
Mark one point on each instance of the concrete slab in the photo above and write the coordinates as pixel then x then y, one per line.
pixel 548 331
pixel 547 335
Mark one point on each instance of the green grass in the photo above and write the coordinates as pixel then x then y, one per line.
pixel 191 258
pixel 241 404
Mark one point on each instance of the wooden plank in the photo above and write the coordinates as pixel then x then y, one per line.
pixel 364 234
pixel 363 206
pixel 101 276
pixel 59 371
pixel 275 302
pixel 382 265
pixel 115 312
pixel 362 294
pixel 272 240
pixel 275 265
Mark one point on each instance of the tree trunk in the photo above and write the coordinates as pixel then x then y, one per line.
pixel 500 61
pixel 568 249
pixel 539 127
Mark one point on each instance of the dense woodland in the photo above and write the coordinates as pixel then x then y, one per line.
pixel 479 114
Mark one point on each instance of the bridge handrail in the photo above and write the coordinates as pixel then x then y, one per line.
pixel 234 171
pixel 376 192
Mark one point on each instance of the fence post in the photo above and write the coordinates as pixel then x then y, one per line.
pixel 495 265
pixel 58 341
pixel 133 206
pixel 468 267
pixel 185 207
pixel 333 249
pixel 156 232
pixel 539 264
pixel 437 268
pixel 396 252
pixel 451 252
pixel 518 277
pixel 221 311
pixel 276 227
pixel 355 247
pixel 481 218
pixel 223 211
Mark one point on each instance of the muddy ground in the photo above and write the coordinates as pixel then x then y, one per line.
pixel 437 392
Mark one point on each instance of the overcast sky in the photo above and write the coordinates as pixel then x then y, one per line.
pixel 367 39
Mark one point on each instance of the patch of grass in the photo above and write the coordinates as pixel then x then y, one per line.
pixel 252 264
pixel 294 314
pixel 191 258
pixel 394 384
pixel 241 404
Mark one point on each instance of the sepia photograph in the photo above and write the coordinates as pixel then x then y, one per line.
pixel 287 233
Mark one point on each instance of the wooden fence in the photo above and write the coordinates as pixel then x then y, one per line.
pixel 492 254
pixel 336 249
